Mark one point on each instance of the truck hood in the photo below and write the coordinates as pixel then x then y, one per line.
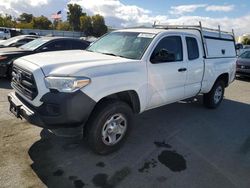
pixel 71 62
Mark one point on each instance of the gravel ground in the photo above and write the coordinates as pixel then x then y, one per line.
pixel 176 146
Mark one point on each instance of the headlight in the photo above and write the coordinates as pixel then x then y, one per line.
pixel 66 84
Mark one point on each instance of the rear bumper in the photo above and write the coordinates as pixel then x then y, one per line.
pixel 59 110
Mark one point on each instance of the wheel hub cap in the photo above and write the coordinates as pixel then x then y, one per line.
pixel 218 94
pixel 114 129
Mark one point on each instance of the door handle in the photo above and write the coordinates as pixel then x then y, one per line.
pixel 182 70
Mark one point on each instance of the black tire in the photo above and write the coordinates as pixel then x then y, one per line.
pixel 209 98
pixel 97 123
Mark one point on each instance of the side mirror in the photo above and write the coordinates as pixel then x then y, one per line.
pixel 163 56
pixel 238 46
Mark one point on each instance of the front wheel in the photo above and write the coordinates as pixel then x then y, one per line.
pixel 108 126
pixel 215 96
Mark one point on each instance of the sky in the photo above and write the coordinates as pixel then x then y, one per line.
pixel 229 14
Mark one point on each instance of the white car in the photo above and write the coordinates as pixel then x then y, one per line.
pixel 125 72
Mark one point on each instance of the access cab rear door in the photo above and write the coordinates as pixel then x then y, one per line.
pixel 195 64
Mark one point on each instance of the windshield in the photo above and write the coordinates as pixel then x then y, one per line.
pixel 34 44
pixel 245 55
pixel 131 45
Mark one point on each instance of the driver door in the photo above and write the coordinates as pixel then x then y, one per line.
pixel 167 72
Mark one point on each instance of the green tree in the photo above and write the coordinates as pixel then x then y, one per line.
pixel 41 22
pixel 65 26
pixel 246 41
pixel 86 25
pixel 55 23
pixel 99 27
pixel 25 18
pixel 24 25
pixel 73 16
pixel 7 21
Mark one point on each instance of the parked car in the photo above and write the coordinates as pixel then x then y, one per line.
pixel 243 64
pixel 240 48
pixel 124 72
pixel 45 44
pixel 4 33
pixel 17 41
pixel 34 33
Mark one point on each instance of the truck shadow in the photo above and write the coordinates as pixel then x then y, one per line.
pixel 68 162
pixel 244 79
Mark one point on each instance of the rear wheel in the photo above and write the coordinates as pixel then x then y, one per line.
pixel 215 96
pixel 108 126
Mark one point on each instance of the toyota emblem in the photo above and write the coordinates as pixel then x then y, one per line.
pixel 18 77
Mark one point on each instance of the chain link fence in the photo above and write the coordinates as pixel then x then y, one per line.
pixel 53 33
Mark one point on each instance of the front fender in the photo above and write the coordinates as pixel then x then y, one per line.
pixel 125 79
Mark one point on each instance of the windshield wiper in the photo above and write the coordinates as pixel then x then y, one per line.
pixel 89 50
pixel 110 54
pixel 113 54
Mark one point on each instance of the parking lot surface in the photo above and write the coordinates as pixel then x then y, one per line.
pixel 176 146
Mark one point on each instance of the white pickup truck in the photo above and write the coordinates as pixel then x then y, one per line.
pixel 125 72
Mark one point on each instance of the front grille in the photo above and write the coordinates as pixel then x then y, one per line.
pixel 243 67
pixel 23 81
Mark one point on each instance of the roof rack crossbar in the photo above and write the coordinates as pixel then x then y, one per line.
pixel 200 27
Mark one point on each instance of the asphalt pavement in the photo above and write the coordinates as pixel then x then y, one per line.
pixel 182 145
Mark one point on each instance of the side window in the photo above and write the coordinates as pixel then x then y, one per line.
pixel 79 45
pixel 169 49
pixel 28 40
pixel 192 48
pixel 57 45
pixel 23 41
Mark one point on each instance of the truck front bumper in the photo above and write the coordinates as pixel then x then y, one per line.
pixel 59 110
